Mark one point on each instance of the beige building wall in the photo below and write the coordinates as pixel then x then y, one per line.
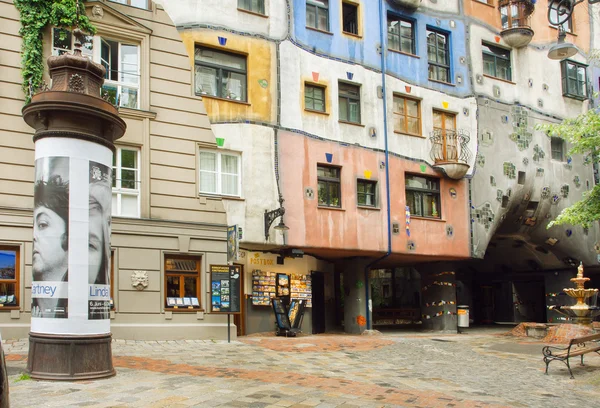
pixel 168 130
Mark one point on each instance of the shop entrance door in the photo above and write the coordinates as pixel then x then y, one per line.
pixel 318 302
pixel 240 319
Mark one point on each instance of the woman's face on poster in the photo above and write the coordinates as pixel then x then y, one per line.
pixel 96 238
pixel 50 260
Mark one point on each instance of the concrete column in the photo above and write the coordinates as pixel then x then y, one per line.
pixel 438 290
pixel 355 302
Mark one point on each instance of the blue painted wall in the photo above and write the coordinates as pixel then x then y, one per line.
pixel 364 50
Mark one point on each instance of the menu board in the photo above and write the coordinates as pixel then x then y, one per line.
pixel 301 288
pixel 263 287
pixel 225 289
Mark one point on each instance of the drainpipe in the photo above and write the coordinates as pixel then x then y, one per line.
pixel 387 167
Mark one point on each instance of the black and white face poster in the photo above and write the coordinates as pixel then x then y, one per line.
pixel 50 256
pixel 100 191
pixel 71 245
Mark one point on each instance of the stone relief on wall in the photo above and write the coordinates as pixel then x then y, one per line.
pixel 139 280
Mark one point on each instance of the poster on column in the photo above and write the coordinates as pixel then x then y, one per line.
pixel 100 196
pixel 50 256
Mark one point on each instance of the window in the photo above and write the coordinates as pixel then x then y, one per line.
pixel 349 101
pixel 126 182
pixel 366 193
pixel 182 279
pixel 557 148
pixel 317 14
pixel 314 98
pixel 255 6
pixel 121 61
pixel 401 35
pixel 64 42
pixel 423 196
pixel 134 3
pixel 9 276
pixel 329 186
pixel 350 18
pixel 445 140
pixel 514 14
pixel 122 79
pixel 407 115
pixel 438 56
pixel 220 74
pixel 112 279
pixel 567 25
pixel 220 173
pixel 496 62
pixel 490 2
pixel 574 79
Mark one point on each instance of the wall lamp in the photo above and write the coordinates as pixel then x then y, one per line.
pixel 270 216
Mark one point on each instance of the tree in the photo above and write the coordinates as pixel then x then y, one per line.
pixel 583 134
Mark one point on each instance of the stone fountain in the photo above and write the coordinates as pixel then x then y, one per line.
pixel 581 312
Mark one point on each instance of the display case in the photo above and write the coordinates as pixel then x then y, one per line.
pixel 301 288
pixel 263 287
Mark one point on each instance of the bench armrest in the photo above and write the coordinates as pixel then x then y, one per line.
pixel 547 350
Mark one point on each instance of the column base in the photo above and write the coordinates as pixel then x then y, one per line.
pixel 69 358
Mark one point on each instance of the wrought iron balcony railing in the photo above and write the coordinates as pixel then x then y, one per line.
pixel 450 146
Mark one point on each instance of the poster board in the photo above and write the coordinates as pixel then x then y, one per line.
pixel 225 289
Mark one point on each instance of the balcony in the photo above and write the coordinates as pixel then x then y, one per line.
pixel 450 152
pixel 515 17
pixel 409 4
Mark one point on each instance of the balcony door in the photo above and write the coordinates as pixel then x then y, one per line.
pixel 444 125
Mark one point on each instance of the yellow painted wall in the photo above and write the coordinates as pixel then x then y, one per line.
pixel 261 104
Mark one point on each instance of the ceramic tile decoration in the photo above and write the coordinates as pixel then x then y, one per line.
pixel 564 190
pixel 520 122
pixel 309 193
pixel 545 193
pixel 462 60
pixel 538 153
pixel 466 111
pixel 509 170
pixel 493 181
pixel 499 194
pixel 497 92
pixel 504 119
pixel 449 231
pixel 530 82
pixel 525 161
pixel 479 79
pixel 577 181
pixel 555 199
pixel 540 103
pixel 480 160
pixel 486 137
pixel 452 192
pixel 539 172
pixel 411 246
pixel 484 215
pixel 568 233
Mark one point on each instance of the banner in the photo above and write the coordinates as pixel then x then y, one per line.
pixel 232 243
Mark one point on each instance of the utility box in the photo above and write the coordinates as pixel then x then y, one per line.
pixel 462 312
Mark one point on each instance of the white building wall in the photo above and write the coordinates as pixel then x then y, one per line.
pixel 225 13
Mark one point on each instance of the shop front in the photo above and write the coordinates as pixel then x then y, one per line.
pixel 290 279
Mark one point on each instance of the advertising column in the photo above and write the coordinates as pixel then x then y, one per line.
pixel 70 292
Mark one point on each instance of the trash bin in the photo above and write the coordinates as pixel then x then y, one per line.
pixel 463 315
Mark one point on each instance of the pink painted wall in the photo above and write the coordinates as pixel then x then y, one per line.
pixel 353 228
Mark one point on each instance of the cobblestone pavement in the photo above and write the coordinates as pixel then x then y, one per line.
pixel 479 369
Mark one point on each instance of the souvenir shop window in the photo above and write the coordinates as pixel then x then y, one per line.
pixel 182 282
pixel 9 276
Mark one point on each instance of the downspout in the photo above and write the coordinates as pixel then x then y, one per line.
pixel 387 167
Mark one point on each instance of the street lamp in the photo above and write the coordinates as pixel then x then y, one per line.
pixel 561 49
pixel 559 13
pixel 270 216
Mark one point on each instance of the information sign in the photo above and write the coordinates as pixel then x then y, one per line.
pixel 225 289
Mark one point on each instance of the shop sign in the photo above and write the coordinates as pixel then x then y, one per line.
pixel 257 260
pixel 225 289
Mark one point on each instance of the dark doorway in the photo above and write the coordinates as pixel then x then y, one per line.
pixel 318 302
pixel 240 319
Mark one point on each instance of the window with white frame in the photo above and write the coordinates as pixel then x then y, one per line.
pixel 120 59
pixel 134 3
pixel 220 173
pixel 126 182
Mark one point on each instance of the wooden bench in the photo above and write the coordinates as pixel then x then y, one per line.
pixel 577 347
